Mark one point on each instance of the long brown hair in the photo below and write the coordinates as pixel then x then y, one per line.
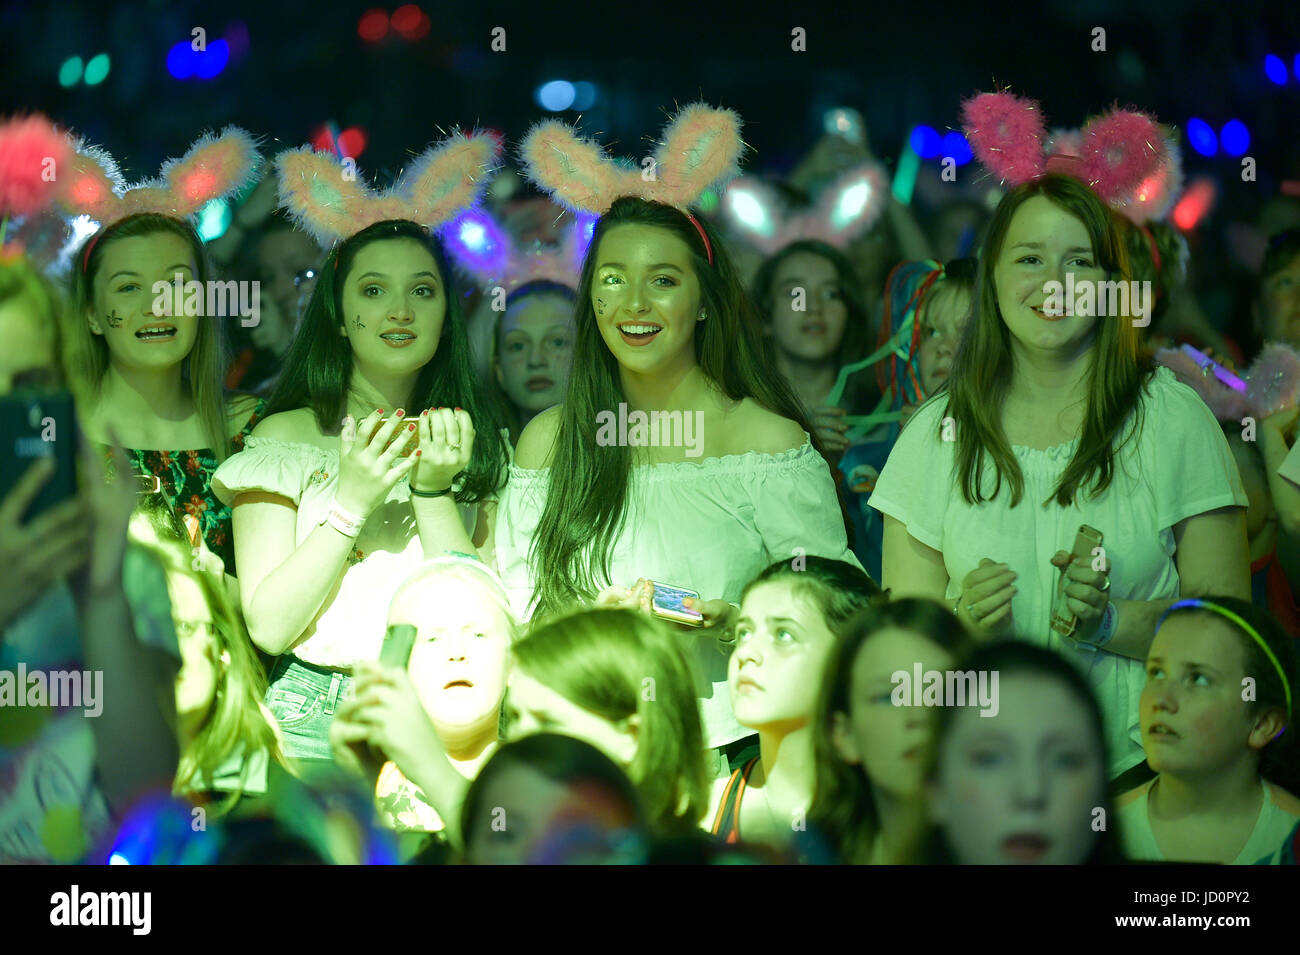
pixel 587 497
pixel 982 368
pixel 85 354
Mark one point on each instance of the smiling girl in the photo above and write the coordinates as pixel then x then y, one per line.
pixel 329 515
pixel 153 383
pixel 1048 423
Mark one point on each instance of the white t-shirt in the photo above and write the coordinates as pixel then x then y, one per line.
pixel 710 527
pixel 351 625
pixel 1278 815
pixel 1179 466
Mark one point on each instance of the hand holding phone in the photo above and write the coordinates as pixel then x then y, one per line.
pixel 1064 620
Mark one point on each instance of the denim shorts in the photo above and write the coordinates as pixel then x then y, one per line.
pixel 303 699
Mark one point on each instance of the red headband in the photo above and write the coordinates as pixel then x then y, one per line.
pixel 708 247
pixel 85 261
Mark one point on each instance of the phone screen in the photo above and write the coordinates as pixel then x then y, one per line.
pixel 35 425
pixel 668 602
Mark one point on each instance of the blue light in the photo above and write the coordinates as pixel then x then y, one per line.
pixel 1275 69
pixel 955 145
pixel 1235 137
pixel 556 96
pixel 925 142
pixel 1202 138
pixel 180 60
pixel 1296 66
pixel 213 60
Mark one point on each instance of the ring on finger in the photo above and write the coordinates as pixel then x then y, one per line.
pixel 1106 586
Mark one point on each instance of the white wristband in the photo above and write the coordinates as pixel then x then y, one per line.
pixel 343 520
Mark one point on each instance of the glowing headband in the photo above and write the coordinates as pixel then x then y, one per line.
pixel 1234 618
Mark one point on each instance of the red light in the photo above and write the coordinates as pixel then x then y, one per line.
pixel 201 183
pixel 406 17
pixel 373 26
pixel 352 142
pixel 1194 204
pixel 322 141
pixel 87 189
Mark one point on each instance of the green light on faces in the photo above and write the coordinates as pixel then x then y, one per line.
pixel 97 69
pixel 214 220
pixel 70 71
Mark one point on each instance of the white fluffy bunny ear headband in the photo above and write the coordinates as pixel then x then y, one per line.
pixel 329 201
pixel 845 209
pixel 700 148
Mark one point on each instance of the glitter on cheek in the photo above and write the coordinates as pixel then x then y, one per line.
pixel 114 320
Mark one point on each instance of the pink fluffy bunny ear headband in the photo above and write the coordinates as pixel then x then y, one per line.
pixel 33 155
pixel 483 249
pixel 328 200
pixel 1114 155
pixel 214 167
pixel 1270 385
pixel 1153 198
pixel 845 209
pixel 700 148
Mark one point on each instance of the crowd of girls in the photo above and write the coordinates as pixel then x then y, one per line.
pixel 395 479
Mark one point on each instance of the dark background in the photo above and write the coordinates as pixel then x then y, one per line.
pixel 899 63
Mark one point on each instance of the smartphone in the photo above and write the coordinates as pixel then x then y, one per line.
pixel 412 441
pixel 398 642
pixel 1085 541
pixel 35 425
pixel 668 603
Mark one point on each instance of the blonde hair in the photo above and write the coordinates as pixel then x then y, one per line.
pixel 616 663
pixel 237 720
pixel 468 570
pixel 86 358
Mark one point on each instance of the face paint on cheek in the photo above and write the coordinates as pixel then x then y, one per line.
pixel 357 323
pixel 113 319
pixel 601 307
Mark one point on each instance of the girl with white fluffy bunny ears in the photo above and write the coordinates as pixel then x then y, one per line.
pixel 378 449
pixel 663 326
